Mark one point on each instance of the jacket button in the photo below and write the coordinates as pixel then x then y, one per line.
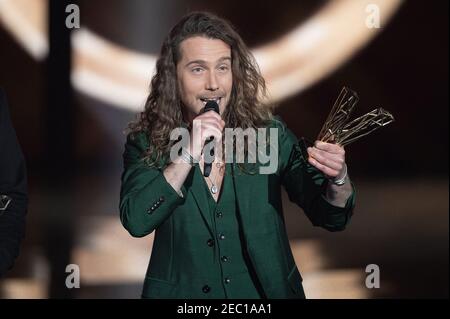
pixel 206 289
pixel 210 242
pixel 224 259
pixel 161 199
pixel 219 215
pixel 221 236
pixel 227 280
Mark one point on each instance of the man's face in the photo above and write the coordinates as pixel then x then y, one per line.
pixel 204 73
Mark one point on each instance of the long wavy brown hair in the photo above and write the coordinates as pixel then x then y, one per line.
pixel 163 108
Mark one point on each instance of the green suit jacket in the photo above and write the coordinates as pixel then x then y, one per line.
pixel 177 268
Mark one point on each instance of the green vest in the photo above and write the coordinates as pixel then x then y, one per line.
pixel 233 270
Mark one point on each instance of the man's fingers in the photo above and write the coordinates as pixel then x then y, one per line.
pixel 212 130
pixel 324 169
pixel 211 113
pixel 332 148
pixel 211 121
pixel 337 157
pixel 334 161
pixel 329 163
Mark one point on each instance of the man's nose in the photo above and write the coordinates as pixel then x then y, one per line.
pixel 211 83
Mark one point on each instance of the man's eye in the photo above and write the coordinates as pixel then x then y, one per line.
pixel 197 70
pixel 223 68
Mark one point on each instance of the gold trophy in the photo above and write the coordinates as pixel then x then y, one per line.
pixel 340 130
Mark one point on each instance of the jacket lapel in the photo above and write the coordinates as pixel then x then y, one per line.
pixel 243 186
pixel 197 189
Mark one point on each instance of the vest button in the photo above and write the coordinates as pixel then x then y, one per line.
pixel 227 280
pixel 210 242
pixel 219 214
pixel 221 236
pixel 206 289
pixel 224 259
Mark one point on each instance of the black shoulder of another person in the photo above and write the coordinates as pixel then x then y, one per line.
pixel 13 190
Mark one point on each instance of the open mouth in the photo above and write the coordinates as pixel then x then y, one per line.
pixel 215 99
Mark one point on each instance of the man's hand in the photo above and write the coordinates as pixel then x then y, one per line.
pixel 204 126
pixel 328 158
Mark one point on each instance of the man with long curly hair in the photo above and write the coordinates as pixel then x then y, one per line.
pixel 221 236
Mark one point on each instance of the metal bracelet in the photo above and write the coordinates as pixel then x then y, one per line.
pixel 187 157
pixel 340 181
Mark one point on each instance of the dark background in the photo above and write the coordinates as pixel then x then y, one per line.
pixel 73 147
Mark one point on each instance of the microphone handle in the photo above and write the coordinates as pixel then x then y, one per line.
pixel 208 166
pixel 207 169
pixel 211 105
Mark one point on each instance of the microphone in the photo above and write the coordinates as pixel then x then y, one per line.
pixel 210 105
